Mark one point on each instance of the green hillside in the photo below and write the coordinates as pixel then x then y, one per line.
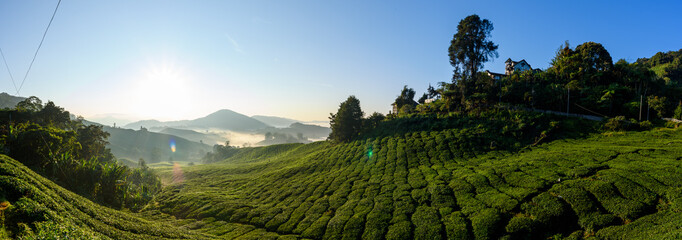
pixel 32 207
pixel 422 185
pixel 9 101
pixel 151 146
pixel 206 138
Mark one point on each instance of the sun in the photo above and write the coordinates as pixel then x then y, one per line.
pixel 162 92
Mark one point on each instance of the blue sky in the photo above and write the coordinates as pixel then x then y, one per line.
pixel 299 59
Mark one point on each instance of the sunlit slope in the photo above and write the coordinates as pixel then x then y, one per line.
pixel 423 185
pixel 38 208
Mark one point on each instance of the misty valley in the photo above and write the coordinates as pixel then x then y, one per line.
pixel 151 140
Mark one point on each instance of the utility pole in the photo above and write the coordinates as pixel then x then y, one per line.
pixel 640 107
pixel 568 103
pixel 500 101
pixel 532 95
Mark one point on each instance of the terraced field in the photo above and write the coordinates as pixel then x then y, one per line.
pixel 32 207
pixel 421 185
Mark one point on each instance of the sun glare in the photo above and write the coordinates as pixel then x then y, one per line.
pixel 162 92
pixel 172 145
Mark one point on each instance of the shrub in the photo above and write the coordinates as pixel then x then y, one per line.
pixel 498 200
pixel 485 223
pixel 427 223
pixel 617 123
pixel 400 230
pixel 421 196
pixel 316 229
pixel 378 219
pixel 456 226
pixel 612 202
pixel 520 225
pixel 674 196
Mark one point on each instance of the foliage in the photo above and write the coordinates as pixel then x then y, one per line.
pixel 30 104
pixel 41 209
pixel 73 155
pixel 668 66
pixel 220 152
pixel 615 124
pixel 580 80
pixel 347 122
pixel 470 47
pixel 405 101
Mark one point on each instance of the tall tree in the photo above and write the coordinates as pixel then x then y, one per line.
pixel 31 104
pixel 406 98
pixel 470 47
pixel 347 122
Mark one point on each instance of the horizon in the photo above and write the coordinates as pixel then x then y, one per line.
pixel 131 119
pixel 298 60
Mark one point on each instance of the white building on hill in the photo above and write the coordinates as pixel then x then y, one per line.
pixel 511 67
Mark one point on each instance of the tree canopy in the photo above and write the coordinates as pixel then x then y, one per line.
pixel 470 47
pixel 72 154
pixel 405 100
pixel 347 122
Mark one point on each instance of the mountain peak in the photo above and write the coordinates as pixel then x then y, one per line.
pixel 222 119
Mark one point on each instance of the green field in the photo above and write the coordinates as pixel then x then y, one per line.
pixel 622 185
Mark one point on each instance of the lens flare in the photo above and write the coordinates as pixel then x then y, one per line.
pixel 370 152
pixel 172 145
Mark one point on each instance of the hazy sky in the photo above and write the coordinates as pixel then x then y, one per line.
pixel 174 60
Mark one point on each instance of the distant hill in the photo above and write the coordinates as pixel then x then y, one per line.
pixel 206 138
pixel 153 147
pixel 308 131
pixel 281 139
pixel 9 101
pixel 278 122
pixel 311 131
pixel 228 119
pixel 110 119
pixel 222 119
pixel 144 123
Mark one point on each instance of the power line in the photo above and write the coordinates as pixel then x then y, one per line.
pixel 8 71
pixel 39 45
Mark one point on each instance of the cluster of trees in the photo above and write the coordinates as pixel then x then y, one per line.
pixel 581 80
pixel 584 80
pixel 44 138
pixel 349 121
pixel 219 153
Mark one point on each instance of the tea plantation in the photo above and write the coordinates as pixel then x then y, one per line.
pixel 32 207
pixel 419 185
